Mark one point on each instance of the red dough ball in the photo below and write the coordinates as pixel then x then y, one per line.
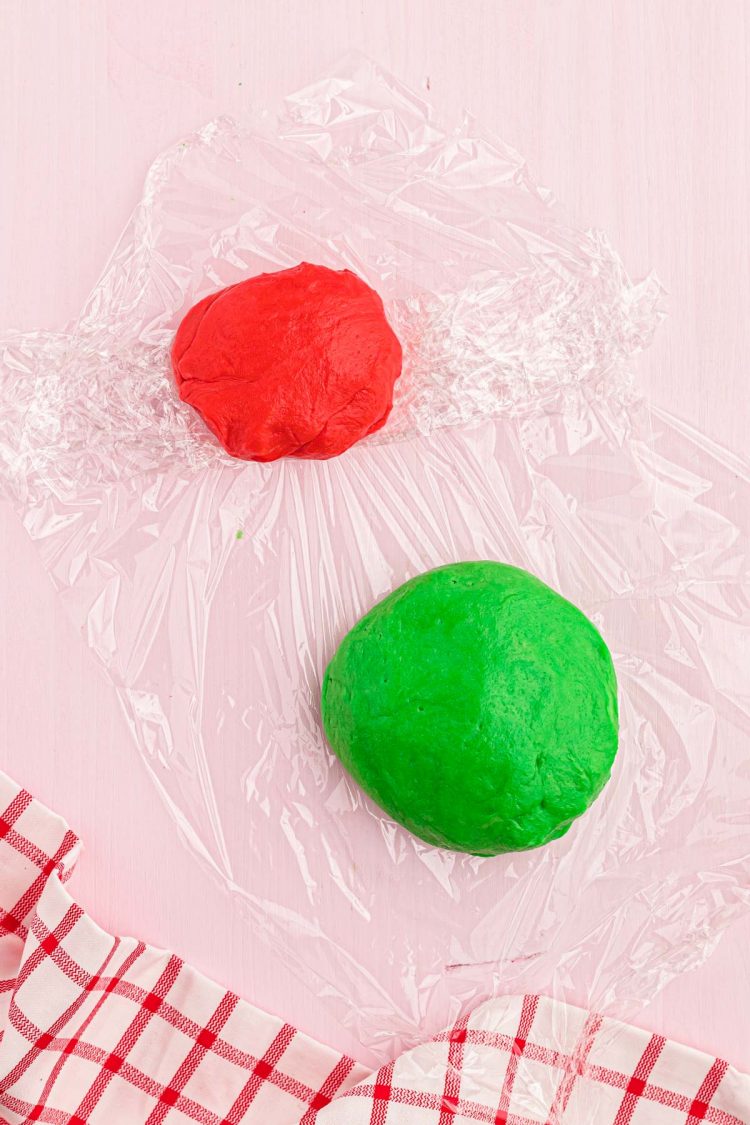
pixel 299 363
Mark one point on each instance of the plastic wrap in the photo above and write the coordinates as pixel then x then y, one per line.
pixel 214 591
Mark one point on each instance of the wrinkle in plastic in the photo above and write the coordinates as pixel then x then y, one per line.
pixel 215 592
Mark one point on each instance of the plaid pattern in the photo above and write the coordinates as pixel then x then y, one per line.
pixel 532 1061
pixel 102 1029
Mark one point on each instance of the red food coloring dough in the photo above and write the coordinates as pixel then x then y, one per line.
pixel 300 363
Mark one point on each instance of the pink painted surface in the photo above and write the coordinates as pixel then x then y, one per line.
pixel 635 113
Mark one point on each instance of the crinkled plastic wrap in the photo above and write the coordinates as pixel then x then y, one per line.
pixel 215 591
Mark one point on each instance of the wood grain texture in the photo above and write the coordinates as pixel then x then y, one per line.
pixel 634 111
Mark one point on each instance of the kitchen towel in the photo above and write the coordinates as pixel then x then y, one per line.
pixel 102 1029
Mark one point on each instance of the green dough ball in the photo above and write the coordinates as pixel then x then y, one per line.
pixel 477 707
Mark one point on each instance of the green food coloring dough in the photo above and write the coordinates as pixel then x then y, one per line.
pixel 476 706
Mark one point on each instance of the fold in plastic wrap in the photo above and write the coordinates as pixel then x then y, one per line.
pixel 215 591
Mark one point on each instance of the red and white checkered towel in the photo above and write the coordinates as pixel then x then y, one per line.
pixel 527 1060
pixel 101 1029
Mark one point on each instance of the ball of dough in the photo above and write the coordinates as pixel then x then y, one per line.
pixel 477 707
pixel 299 363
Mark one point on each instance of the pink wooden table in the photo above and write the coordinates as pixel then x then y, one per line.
pixel 634 111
